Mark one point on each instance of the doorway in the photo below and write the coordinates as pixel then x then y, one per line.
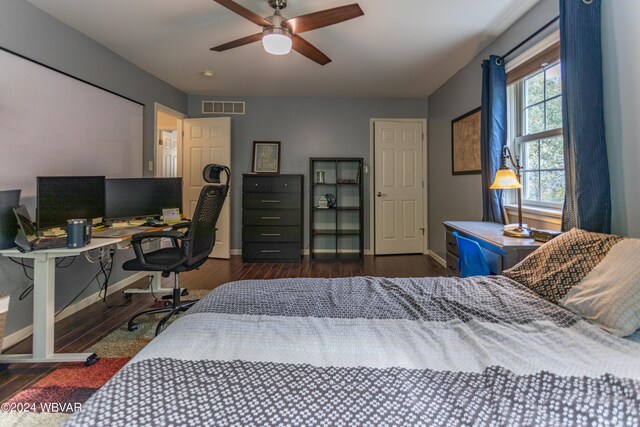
pixel 183 147
pixel 168 137
pixel 398 186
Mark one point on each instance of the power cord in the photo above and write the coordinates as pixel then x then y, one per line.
pixel 24 266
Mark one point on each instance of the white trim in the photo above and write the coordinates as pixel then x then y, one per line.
pixel 438 258
pixel 156 134
pixel 425 199
pixel 25 332
pixel 4 304
pixel 552 216
pixel 305 252
pixel 539 47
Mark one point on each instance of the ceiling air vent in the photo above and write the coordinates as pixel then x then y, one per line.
pixel 222 107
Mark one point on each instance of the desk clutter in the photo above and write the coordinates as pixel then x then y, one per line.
pixel 85 202
pixel 68 208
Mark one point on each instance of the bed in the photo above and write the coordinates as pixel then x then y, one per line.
pixel 375 351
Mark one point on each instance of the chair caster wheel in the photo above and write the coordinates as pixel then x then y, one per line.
pixel 4 367
pixel 132 327
pixel 128 296
pixel 168 303
pixel 91 360
pixel 184 293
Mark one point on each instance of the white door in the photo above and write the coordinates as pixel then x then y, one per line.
pixel 206 141
pixel 398 187
pixel 169 141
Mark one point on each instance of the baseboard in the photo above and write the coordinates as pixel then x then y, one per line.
pixel 437 257
pixel 25 332
pixel 305 252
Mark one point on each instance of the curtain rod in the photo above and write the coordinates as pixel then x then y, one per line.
pixel 525 41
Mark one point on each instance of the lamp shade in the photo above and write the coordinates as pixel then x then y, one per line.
pixel 505 179
pixel 276 41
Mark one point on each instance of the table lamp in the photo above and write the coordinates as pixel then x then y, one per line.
pixel 506 179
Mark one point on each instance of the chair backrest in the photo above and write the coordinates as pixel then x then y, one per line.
pixel 471 261
pixel 202 232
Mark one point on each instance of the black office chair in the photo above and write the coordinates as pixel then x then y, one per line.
pixel 190 249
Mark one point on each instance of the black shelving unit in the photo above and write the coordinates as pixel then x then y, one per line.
pixel 338 231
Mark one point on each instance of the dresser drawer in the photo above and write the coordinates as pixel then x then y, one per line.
pixel 270 217
pixel 286 184
pixel 271 201
pixel 272 251
pixel 452 243
pixel 271 234
pixel 256 184
pixel 452 265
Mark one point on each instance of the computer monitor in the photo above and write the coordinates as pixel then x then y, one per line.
pixel 60 198
pixel 142 197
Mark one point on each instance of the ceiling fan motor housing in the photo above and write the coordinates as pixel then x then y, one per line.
pixel 278 4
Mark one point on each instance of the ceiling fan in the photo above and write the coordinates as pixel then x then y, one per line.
pixel 280 35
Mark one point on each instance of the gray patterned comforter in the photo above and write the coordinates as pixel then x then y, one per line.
pixel 374 351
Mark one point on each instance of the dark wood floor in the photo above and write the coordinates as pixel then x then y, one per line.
pixel 83 329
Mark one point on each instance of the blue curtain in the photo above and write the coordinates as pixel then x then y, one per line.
pixel 587 202
pixel 493 134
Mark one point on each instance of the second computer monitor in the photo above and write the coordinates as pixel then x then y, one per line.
pixel 141 197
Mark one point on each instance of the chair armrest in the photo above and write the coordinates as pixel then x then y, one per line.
pixel 136 242
pixel 181 225
pixel 138 237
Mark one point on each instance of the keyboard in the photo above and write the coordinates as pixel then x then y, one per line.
pixel 120 231
pixel 49 243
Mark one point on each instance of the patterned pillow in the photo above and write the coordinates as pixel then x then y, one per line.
pixel 596 276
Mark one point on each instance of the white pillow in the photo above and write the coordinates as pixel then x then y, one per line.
pixel 609 295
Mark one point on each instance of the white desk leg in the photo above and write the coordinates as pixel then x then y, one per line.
pixel 44 270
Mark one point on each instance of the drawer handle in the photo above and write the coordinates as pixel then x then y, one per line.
pixel 270 217
pixel 269 201
pixel 451 268
pixel 451 244
pixel 270 251
pixel 270 234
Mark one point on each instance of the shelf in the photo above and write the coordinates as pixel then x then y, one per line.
pixel 335 232
pixel 335 183
pixel 338 234
pixel 338 208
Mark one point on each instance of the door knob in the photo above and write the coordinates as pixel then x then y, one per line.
pixel 379 194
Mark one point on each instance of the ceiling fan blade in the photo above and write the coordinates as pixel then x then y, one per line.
pixel 305 48
pixel 323 18
pixel 237 43
pixel 244 12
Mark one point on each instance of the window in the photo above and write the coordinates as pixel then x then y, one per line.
pixel 535 105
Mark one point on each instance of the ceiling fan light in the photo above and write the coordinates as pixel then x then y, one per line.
pixel 276 41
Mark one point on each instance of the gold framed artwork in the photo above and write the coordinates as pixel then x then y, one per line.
pixel 266 157
pixel 465 144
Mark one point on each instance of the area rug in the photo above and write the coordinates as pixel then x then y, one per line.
pixel 51 400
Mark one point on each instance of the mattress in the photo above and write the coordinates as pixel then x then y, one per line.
pixel 375 351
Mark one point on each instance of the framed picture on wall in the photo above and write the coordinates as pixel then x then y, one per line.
pixel 266 157
pixel 465 143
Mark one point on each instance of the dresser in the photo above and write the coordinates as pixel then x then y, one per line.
pixel 272 218
pixel 501 252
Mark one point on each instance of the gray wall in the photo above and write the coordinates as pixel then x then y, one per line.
pixel 620 47
pixel 459 197
pixel 307 127
pixel 27 30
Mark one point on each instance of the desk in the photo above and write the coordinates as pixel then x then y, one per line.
pixel 44 276
pixel 500 251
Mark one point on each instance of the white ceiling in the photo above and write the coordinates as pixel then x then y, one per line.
pixel 401 48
